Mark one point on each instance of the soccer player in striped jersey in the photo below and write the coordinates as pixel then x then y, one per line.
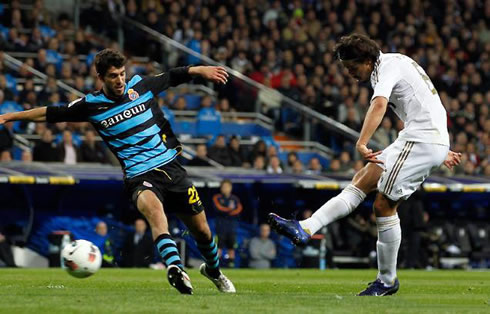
pixel 127 117
pixel 397 171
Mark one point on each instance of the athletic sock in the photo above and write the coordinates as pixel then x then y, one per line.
pixel 168 250
pixel 209 251
pixel 389 238
pixel 336 208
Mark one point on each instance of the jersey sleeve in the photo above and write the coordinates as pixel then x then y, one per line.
pixel 387 77
pixel 76 111
pixel 162 81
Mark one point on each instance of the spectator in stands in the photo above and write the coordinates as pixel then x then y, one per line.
pixel 46 149
pixel 92 151
pixel 298 167
pixel 314 166
pixel 271 151
pixel 291 159
pixel 180 104
pixel 224 106
pixel 262 249
pixel 274 165
pixel 6 256
pixel 104 243
pixel 49 89
pixel 259 163
pixel 28 88
pixel 41 61
pixel 236 152
pixel 26 156
pixel 335 165
pixel 200 160
pixel 219 152
pixel 5 156
pixel 345 161
pixel 69 153
pixel 228 208
pixel 138 247
pixel 260 148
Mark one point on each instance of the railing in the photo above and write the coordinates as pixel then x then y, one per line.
pixel 15 64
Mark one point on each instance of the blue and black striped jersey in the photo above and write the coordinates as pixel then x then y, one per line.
pixel 133 126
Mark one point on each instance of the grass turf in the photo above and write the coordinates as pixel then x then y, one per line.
pixel 268 291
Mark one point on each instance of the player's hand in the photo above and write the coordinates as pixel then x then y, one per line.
pixel 3 119
pixel 368 154
pixel 214 74
pixel 452 159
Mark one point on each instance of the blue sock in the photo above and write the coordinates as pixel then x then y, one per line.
pixel 168 250
pixel 209 251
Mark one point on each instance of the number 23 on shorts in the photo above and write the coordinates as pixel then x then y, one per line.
pixel 193 195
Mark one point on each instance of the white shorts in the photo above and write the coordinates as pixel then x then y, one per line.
pixel 406 166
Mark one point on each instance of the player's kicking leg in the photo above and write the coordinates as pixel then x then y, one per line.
pixel 299 232
pixel 388 244
pixel 151 207
pixel 199 228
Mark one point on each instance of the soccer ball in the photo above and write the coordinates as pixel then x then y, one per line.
pixel 81 258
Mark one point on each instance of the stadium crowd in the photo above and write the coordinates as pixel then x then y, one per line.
pixel 286 46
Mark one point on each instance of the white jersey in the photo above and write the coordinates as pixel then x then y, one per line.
pixel 412 96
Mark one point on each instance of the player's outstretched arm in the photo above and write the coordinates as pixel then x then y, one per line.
pixel 452 159
pixel 215 74
pixel 36 115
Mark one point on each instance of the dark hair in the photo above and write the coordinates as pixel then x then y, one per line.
pixel 108 58
pixel 356 47
pixel 224 182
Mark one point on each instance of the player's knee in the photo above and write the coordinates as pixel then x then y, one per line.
pixel 367 178
pixel 383 207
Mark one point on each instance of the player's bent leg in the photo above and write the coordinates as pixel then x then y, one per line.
pixel 151 207
pixel 337 207
pixel 199 229
pixel 388 244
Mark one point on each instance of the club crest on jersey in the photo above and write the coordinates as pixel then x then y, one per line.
pixel 133 94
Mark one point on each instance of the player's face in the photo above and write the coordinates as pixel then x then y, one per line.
pixel 361 71
pixel 115 81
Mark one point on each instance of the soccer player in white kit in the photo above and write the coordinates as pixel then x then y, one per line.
pixel 397 171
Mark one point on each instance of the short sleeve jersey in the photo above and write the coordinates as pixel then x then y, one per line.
pixel 412 97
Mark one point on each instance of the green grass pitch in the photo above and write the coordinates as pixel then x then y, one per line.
pixel 268 291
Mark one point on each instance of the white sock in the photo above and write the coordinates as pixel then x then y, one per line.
pixel 336 208
pixel 389 238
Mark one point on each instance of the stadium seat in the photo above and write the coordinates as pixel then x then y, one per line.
pixel 192 101
pixel 208 122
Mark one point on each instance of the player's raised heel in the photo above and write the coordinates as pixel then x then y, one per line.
pixel 378 289
pixel 179 279
pixel 289 228
pixel 222 282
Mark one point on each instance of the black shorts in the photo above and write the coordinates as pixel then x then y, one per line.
pixel 171 185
